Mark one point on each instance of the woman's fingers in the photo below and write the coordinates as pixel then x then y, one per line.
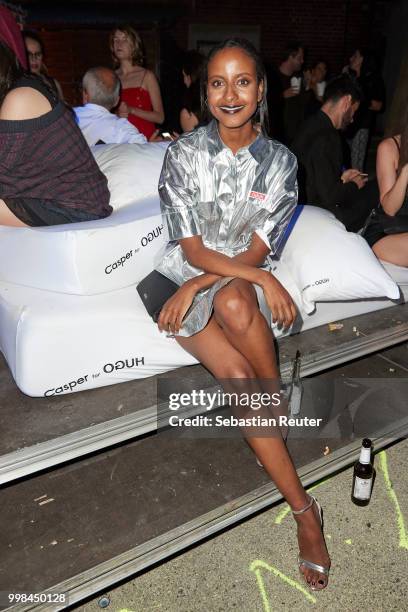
pixel 288 316
pixel 283 312
pixel 170 320
pixel 277 314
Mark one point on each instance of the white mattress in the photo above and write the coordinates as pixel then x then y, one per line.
pixel 56 343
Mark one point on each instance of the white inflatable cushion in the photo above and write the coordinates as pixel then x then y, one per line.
pixel 132 170
pixel 327 263
pixel 85 258
pixel 97 256
pixel 56 343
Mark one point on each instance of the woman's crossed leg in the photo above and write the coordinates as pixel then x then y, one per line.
pixel 237 343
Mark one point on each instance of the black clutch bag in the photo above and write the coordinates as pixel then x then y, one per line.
pixel 154 290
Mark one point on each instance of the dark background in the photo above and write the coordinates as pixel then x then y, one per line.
pixel 76 34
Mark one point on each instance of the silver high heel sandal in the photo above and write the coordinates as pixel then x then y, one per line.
pixel 309 564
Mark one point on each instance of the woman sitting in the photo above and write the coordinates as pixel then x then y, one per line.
pixel 227 194
pixel 48 175
pixel 392 175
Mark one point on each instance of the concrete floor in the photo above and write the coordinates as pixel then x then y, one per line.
pixel 252 567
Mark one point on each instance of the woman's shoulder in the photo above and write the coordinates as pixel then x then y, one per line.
pixel 390 146
pixel 24 102
pixel 149 77
pixel 277 149
pixel 149 74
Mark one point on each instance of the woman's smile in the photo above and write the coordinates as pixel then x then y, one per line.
pixel 231 110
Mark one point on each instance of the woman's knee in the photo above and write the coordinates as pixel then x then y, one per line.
pixel 239 368
pixel 235 309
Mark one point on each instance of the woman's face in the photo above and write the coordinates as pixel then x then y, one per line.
pixel 319 72
pixel 35 55
pixel 122 46
pixel 356 60
pixel 233 91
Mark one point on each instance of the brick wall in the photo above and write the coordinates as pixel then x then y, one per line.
pixel 319 24
pixel 328 28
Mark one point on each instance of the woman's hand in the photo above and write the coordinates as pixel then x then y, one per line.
pixel 174 310
pixel 123 110
pixel 279 301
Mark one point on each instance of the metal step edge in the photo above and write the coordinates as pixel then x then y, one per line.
pixel 359 347
pixel 123 566
pixel 32 459
pixel 43 455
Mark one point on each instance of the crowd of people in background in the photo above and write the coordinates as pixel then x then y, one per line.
pixel 326 120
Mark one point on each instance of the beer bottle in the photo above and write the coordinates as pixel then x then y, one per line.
pixel 363 475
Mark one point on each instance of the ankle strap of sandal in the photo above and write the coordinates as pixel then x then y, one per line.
pixel 308 505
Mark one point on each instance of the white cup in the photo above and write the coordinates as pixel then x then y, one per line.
pixel 320 88
pixel 295 83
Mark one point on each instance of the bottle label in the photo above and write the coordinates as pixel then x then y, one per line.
pixel 365 455
pixel 362 488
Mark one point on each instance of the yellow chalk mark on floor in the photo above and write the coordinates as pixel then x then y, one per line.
pixel 403 538
pixel 285 510
pixel 258 565
pixel 348 541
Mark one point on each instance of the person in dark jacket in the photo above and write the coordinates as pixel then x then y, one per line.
pixel 318 147
pixel 286 94
pixel 363 66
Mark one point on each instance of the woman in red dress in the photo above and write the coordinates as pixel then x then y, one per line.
pixel 141 101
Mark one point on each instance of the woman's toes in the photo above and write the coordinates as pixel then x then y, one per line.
pixel 307 574
pixel 320 584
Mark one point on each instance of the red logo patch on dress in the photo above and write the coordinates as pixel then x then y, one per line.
pixel 258 196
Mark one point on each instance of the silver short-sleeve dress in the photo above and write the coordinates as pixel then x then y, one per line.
pixel 206 190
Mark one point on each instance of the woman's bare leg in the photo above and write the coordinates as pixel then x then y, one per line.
pixel 215 351
pixel 237 313
pixel 393 248
pixel 8 218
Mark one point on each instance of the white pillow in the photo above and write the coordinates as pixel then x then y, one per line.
pixel 329 264
pixel 132 170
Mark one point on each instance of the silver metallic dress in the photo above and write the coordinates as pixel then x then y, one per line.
pixel 205 190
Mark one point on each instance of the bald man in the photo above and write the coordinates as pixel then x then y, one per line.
pixel 100 93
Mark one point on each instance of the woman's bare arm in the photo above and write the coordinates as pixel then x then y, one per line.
pixel 212 262
pixel 393 187
pixel 188 121
pixel 218 265
pixel 254 256
pixel 157 114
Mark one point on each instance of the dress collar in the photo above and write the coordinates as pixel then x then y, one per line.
pixel 258 148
